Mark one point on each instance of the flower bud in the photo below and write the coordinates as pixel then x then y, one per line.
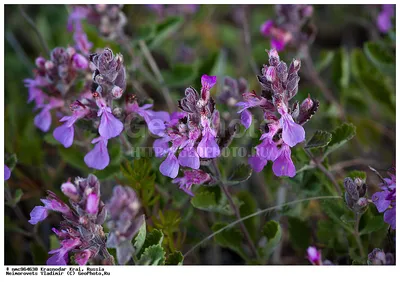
pixel 116 92
pixel 71 51
pixel 273 57
pixel 70 191
pixel 92 203
pixel 270 74
pixel 358 181
pixel 49 65
pixel 117 112
pixel 307 104
pixel 265 28
pixel 377 257
pixel 80 62
pixel 362 202
pixel 40 62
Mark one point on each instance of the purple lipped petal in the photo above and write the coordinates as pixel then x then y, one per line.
pixel 43 120
pixel 257 163
pixel 110 126
pixel 292 133
pixel 246 118
pixel 98 157
pixel 390 217
pixel 283 165
pixel 58 259
pixel 380 200
pixel 38 214
pixel 207 81
pixel 64 134
pixel 161 146
pixel 7 173
pixel 208 147
pixel 188 157
pixel 170 166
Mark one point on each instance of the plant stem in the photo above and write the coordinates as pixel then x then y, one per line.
pixel 357 235
pixel 234 208
pixel 316 79
pixel 258 213
pixel 35 29
pixel 247 41
pixel 324 171
pixel 153 65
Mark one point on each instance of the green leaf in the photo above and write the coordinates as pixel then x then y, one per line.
pixel 180 75
pixel 54 243
pixel 340 136
pixel 381 57
pixel 153 255
pixel 155 237
pixel 39 255
pixel 210 199
pixel 230 238
pixel 11 161
pixel 49 139
pixel 299 233
pixel 373 81
pixel 341 68
pixel 164 30
pixel 320 139
pixel 17 197
pixel 374 223
pixel 240 174
pixel 109 172
pixel 324 60
pixel 140 237
pixel 73 157
pixel 272 230
pixel 338 213
pixel 175 258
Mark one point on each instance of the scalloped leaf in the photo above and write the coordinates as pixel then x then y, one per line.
pixel 240 174
pixel 155 237
pixel 381 57
pixel 153 255
pixel 230 238
pixel 273 232
pixel 140 238
pixel 320 139
pixel 175 258
pixel 340 136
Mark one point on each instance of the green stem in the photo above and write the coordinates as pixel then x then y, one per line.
pixel 357 235
pixel 234 208
pixel 258 213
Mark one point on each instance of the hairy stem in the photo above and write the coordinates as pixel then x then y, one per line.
pixel 258 213
pixel 35 29
pixel 153 65
pixel 234 208
pixel 357 235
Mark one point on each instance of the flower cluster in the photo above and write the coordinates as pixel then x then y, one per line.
pixel 385 200
pixel 384 19
pixel 81 232
pixel 280 85
pixel 54 82
pixel 108 19
pixel 291 27
pixel 193 132
pixel 378 257
pixel 125 221
pixel 108 85
pixel 354 195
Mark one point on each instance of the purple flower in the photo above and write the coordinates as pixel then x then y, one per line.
pixel 265 28
pixel 65 133
pixel 43 119
pixel 70 191
pixel 246 118
pixel 170 166
pixel 7 173
pixel 188 157
pixel 110 126
pixel 384 20
pixel 60 255
pixel 207 82
pixel 98 158
pixel 208 147
pixel 283 165
pixel 314 255
pixel 82 257
pixel 292 133
pixel 92 203
pixel 191 177
pixel 161 146
pixel 385 200
pixel 53 203
pixel 79 61
pixel 38 214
